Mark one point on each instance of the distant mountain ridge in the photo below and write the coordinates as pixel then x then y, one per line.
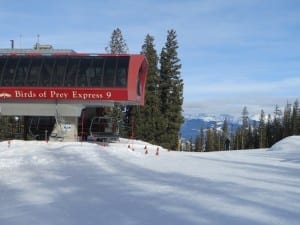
pixel 208 117
pixel 194 122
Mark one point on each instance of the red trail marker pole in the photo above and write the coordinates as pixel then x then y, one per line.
pixel 157 151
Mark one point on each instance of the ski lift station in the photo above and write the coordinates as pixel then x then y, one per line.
pixel 62 93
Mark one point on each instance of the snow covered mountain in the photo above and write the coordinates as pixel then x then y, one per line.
pixel 207 117
pixel 193 123
pixel 83 183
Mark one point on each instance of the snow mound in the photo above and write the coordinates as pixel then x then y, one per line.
pixel 291 143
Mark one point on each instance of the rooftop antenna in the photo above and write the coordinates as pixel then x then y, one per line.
pixel 37 45
pixel 20 40
pixel 38 39
pixel 12 44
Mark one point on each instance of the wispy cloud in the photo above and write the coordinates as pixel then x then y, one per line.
pixel 244 86
pixel 234 105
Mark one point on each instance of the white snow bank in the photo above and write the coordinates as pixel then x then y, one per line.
pixel 291 143
pixel 82 183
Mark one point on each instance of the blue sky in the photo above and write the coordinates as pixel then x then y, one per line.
pixel 234 53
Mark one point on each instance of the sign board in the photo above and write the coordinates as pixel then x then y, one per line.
pixel 76 94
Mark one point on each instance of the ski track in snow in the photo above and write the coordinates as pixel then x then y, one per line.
pixel 85 183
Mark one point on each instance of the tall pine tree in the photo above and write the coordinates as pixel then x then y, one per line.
pixel 262 130
pixel 117 43
pixel 245 128
pixel 287 120
pixel 225 133
pixel 270 131
pixel 171 92
pixel 200 141
pixel 278 130
pixel 296 118
pixel 148 117
pixel 209 142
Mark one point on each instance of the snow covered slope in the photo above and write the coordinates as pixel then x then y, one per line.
pixel 81 183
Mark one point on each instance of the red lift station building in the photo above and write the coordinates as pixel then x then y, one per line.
pixel 59 84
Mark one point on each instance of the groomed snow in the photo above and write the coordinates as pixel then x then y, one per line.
pixel 83 183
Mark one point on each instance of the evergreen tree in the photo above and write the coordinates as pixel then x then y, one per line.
pixel 238 139
pixel 270 132
pixel 148 117
pixel 296 118
pixel 255 135
pixel 233 140
pixel 198 143
pixel 190 146
pixel 202 139
pixel 245 128
pixel 277 124
pixel 117 43
pixel 209 143
pixel 171 92
pixel 287 120
pixel 216 139
pixel 225 128
pixel 225 134
pixel 249 138
pixel 262 130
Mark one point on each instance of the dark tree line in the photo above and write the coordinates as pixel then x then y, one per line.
pixel 252 134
